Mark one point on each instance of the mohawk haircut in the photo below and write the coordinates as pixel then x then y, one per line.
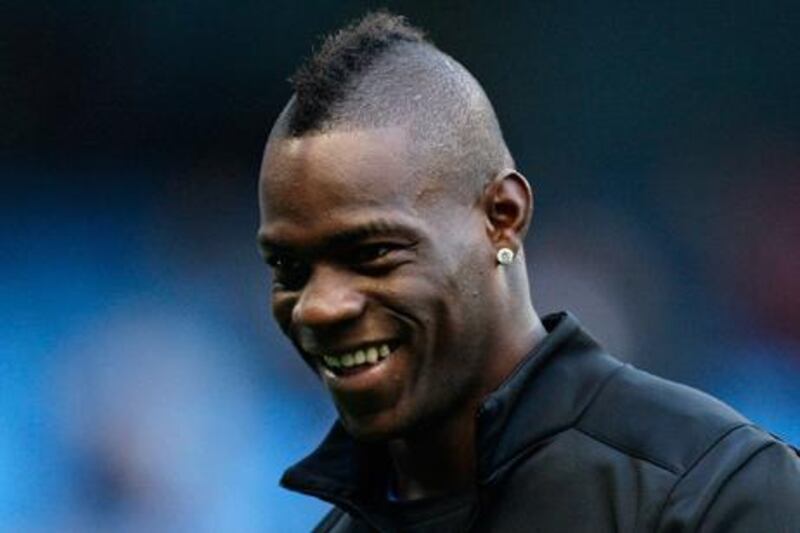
pixel 322 81
pixel 382 72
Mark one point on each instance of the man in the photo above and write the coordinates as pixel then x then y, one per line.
pixel 393 219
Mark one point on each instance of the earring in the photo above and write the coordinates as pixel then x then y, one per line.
pixel 505 256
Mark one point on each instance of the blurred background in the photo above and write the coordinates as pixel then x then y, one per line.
pixel 143 386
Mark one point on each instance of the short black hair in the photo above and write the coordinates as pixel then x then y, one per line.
pixel 379 72
pixel 322 80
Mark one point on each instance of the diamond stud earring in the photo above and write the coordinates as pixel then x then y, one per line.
pixel 505 256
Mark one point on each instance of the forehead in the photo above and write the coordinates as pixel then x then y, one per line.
pixel 340 178
pixel 361 162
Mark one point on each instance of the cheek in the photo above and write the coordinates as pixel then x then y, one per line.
pixel 404 300
pixel 430 302
pixel 438 290
pixel 464 250
pixel 474 273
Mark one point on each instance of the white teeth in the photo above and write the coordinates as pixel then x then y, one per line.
pixel 360 357
pixel 370 355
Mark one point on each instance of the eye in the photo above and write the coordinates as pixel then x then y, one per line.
pixel 380 257
pixel 369 253
pixel 289 273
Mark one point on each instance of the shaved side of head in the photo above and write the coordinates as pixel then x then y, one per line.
pixel 381 72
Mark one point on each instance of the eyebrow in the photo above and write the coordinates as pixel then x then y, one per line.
pixel 348 236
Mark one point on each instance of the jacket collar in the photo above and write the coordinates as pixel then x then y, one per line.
pixel 546 394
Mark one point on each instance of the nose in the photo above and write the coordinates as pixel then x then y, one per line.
pixel 329 298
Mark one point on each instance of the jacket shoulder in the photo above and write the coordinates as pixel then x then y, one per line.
pixel 747 483
pixel 656 420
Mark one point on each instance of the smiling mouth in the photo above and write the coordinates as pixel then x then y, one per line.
pixel 363 358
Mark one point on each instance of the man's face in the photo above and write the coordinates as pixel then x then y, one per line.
pixel 379 277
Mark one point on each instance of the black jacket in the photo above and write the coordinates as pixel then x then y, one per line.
pixel 576 441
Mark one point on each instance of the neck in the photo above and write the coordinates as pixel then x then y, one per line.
pixel 441 458
pixel 436 460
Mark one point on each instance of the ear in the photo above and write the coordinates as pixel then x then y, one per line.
pixel 508 204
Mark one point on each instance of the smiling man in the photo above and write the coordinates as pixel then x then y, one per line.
pixel 393 218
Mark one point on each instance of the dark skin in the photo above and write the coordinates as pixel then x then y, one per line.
pixel 368 246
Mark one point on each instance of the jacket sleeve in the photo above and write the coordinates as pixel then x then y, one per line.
pixel 762 494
